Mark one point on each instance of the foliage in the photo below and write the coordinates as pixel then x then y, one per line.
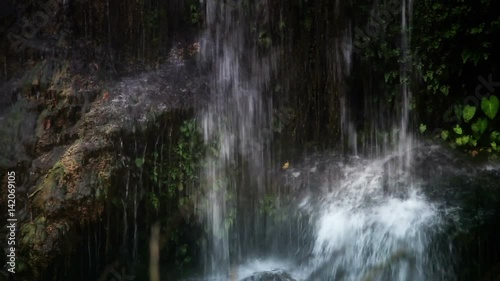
pixel 452 48
pixel 166 169
pixel 479 135
pixel 422 128
pixel 445 134
pixel 196 17
pixel 182 257
pixel 139 162
pixel 490 106
pixel 468 112
pixel 268 205
pixel 264 40
pixel 179 167
pixel 461 36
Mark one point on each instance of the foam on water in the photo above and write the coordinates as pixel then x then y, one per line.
pixel 362 230
pixel 261 265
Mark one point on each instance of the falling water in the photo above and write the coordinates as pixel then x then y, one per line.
pixel 374 222
pixel 405 143
pixel 234 122
pixel 384 127
pixel 366 219
pixel 364 231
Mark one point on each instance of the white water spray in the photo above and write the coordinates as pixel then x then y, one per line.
pixel 234 121
pixel 371 223
pixel 363 231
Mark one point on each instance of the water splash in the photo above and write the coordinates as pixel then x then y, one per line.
pixel 371 222
pixel 363 231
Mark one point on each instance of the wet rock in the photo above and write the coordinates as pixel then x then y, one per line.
pixel 16 134
pixel 66 139
pixel 275 275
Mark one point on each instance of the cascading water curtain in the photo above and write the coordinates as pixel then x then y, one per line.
pixel 374 223
pixel 235 122
pixel 403 138
pixel 385 127
pixel 405 143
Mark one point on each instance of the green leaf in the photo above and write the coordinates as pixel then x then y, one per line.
pixel 458 130
pixel 139 162
pixel 155 202
pixel 495 136
pixel 472 142
pixel 480 126
pixel 445 90
pixel 422 128
pixel 462 140
pixel 468 112
pixel 495 146
pixel 490 106
pixel 445 134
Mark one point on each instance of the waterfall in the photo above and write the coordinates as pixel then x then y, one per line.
pixel 235 122
pixel 384 126
pixel 364 219
pixel 373 222
pixel 361 231
pixel 405 143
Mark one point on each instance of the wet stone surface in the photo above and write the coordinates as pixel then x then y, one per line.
pixel 275 275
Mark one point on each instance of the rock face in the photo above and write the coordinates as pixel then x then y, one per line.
pixel 275 275
pixel 62 137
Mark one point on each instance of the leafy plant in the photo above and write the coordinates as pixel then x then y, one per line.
pixel 268 205
pixel 445 134
pixel 495 147
pixel 476 135
pixel 264 40
pixel 422 128
pixel 495 136
pixel 139 162
pixel 490 106
pixel 174 167
pixel 461 141
pixel 458 130
pixel 196 17
pixel 154 200
pixel 479 126
pixel 468 113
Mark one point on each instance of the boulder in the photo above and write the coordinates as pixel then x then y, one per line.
pixel 274 275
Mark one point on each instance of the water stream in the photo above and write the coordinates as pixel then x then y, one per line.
pixel 362 217
pixel 124 181
pixel 233 121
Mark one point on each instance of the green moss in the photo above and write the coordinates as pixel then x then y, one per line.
pixel 52 180
pixel 34 232
pixel 40 123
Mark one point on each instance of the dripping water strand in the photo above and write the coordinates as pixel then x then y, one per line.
pixel 234 119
